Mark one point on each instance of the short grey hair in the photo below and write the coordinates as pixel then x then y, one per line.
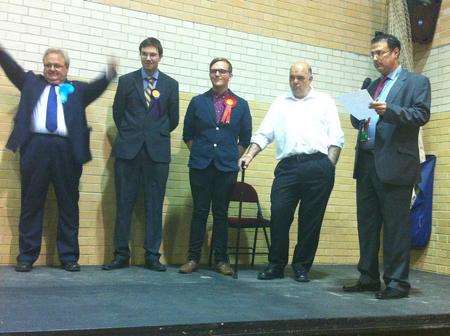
pixel 58 51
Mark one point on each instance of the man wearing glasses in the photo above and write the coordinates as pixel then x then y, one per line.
pixel 386 168
pixel 217 129
pixel 51 131
pixel 145 111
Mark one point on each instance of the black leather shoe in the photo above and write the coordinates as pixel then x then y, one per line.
pixel 391 293
pixel 71 267
pixel 361 287
pixel 271 272
pixel 300 274
pixel 116 264
pixel 155 266
pixel 23 266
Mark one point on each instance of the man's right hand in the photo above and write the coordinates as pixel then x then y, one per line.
pixel 244 161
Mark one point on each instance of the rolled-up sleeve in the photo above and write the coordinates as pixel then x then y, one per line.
pixel 335 133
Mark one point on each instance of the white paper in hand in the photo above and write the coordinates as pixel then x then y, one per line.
pixel 357 104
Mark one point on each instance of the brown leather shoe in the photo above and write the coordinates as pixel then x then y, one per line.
pixel 224 268
pixel 189 267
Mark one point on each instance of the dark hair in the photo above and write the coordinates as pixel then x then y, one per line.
pixel 222 59
pixel 152 42
pixel 391 40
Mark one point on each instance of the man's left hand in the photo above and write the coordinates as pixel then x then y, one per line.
pixel 112 68
pixel 379 107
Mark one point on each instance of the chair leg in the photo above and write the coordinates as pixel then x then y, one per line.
pixel 254 247
pixel 267 238
pixel 238 238
pixel 211 248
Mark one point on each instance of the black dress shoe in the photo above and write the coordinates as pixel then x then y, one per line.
pixel 271 272
pixel 71 266
pixel 300 274
pixel 23 266
pixel 361 287
pixel 116 264
pixel 155 266
pixel 391 293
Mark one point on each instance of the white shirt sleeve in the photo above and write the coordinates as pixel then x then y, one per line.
pixel 335 133
pixel 266 131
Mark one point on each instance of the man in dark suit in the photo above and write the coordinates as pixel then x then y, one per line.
pixel 386 168
pixel 145 110
pixel 51 130
pixel 217 129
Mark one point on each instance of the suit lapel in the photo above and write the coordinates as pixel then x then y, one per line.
pixel 398 85
pixel 210 106
pixel 139 86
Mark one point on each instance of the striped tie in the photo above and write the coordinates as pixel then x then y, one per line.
pixel 148 90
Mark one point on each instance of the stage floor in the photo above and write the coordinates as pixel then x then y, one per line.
pixel 50 299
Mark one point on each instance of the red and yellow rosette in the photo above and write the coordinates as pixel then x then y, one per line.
pixel 230 103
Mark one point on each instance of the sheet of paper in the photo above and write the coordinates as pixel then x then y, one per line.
pixel 357 104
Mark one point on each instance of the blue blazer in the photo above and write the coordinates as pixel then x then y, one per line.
pixel 31 87
pixel 214 142
pixel 396 149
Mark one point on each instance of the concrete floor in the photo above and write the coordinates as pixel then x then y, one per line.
pixel 52 299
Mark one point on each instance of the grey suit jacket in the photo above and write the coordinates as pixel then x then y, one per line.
pixel 136 125
pixel 396 142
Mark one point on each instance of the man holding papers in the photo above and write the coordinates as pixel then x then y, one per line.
pixel 386 168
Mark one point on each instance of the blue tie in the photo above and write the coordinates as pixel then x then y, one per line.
pixel 51 121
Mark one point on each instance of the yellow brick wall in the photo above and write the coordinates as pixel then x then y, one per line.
pixel 309 22
pixel 436 257
pixel 343 25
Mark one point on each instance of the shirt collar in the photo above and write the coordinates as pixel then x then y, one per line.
pixel 311 94
pixel 221 95
pixel 145 75
pixel 394 74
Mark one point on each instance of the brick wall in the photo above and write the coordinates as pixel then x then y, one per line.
pixel 262 41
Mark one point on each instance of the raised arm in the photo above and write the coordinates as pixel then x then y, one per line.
pixel 12 69
pixel 95 88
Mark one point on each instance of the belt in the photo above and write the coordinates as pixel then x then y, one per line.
pixel 50 135
pixel 305 157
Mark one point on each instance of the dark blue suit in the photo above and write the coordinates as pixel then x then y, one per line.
pixel 49 158
pixel 142 153
pixel 213 167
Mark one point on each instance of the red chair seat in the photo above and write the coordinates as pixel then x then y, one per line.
pixel 234 222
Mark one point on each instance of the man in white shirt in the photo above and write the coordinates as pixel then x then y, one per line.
pixel 305 127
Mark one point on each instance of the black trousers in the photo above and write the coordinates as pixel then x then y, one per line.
pixel 307 179
pixel 130 176
pixel 45 159
pixel 210 187
pixel 382 205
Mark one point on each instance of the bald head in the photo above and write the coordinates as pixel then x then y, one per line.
pixel 300 79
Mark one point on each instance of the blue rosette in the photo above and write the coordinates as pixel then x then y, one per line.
pixel 65 90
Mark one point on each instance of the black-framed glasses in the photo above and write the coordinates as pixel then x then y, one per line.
pixel 379 53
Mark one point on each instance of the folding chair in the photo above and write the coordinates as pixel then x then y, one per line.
pixel 244 193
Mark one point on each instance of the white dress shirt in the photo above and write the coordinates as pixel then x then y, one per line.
pixel 39 115
pixel 301 126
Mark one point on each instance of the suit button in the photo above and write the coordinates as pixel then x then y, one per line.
pixel 215 145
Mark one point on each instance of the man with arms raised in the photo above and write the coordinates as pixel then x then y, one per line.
pixel 51 131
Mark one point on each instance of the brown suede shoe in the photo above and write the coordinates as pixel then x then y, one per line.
pixel 224 268
pixel 189 267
